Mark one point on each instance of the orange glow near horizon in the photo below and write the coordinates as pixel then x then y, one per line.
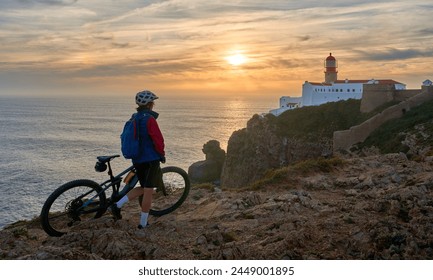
pixel 196 48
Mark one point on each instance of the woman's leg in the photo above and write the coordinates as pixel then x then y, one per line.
pixel 134 193
pixel 147 200
pixel 145 206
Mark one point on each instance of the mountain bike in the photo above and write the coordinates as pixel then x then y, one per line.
pixel 81 200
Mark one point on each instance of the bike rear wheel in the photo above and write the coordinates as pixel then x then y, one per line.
pixel 176 186
pixel 71 204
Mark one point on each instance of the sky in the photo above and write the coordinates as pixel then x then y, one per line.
pixel 227 49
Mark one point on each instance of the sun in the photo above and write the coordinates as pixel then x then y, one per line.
pixel 236 59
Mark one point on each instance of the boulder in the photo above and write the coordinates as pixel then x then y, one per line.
pixel 208 170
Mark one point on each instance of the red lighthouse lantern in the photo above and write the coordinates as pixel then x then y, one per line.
pixel 330 69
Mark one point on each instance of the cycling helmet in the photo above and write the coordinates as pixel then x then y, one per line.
pixel 144 97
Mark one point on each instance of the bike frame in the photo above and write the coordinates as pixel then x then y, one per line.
pixel 113 182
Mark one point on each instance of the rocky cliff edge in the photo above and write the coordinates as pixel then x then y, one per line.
pixel 374 207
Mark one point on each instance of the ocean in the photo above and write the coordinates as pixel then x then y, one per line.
pixel 45 142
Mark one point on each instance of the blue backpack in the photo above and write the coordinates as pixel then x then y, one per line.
pixel 130 138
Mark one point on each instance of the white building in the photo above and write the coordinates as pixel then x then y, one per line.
pixel 331 90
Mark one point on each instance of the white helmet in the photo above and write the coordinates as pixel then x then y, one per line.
pixel 144 97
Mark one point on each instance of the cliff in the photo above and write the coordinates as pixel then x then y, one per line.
pixel 252 151
pixel 373 207
pixel 270 142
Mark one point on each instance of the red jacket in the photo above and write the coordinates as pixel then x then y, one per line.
pixel 156 135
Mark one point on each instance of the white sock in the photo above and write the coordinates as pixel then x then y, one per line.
pixel 143 219
pixel 122 201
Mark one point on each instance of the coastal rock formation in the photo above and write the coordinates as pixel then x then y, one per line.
pixel 208 170
pixel 254 150
pixel 250 152
pixel 372 207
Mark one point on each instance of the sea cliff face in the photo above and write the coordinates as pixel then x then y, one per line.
pixel 259 147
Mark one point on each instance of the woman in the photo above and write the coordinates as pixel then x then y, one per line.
pixel 147 163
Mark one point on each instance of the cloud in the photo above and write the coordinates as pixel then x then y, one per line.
pixel 31 3
pixel 425 32
pixel 52 2
pixel 304 38
pixel 392 54
pixel 175 39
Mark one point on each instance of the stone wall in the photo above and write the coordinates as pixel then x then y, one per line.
pixel 374 95
pixel 402 95
pixel 343 140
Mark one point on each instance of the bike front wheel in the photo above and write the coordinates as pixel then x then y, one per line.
pixel 172 192
pixel 71 204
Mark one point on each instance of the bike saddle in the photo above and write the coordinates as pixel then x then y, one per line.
pixel 105 159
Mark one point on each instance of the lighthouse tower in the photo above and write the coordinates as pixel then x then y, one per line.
pixel 330 69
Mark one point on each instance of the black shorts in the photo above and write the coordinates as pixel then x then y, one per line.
pixel 148 173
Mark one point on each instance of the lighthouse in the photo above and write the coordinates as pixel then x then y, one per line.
pixel 330 69
pixel 332 90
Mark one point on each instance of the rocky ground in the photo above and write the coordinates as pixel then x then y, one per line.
pixel 374 207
